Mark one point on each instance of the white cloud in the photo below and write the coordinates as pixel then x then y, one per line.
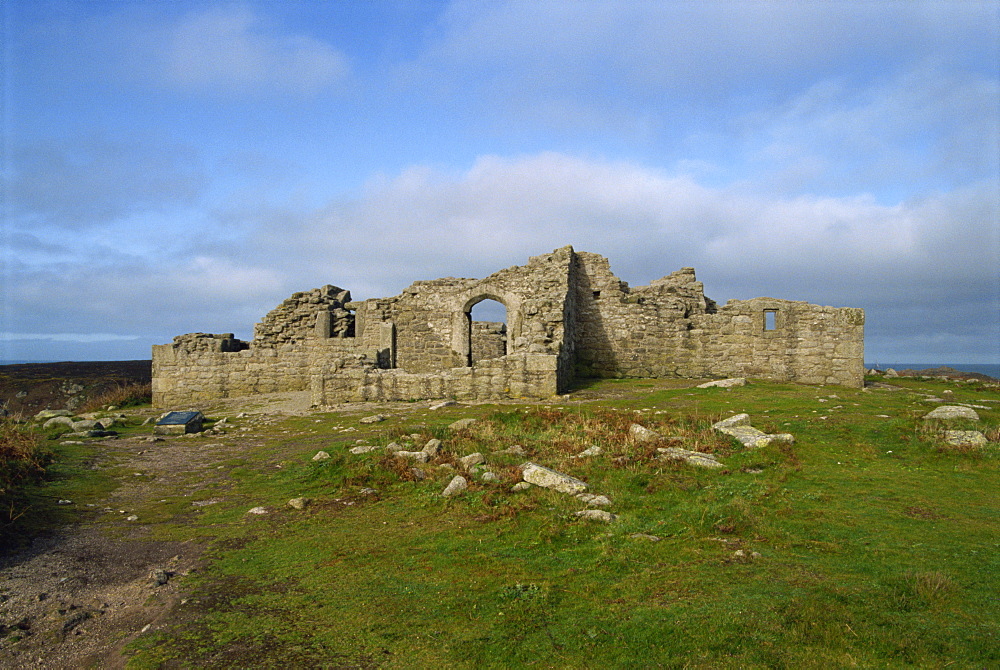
pixel 227 50
pixel 66 337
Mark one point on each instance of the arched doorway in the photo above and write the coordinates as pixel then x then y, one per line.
pixel 488 334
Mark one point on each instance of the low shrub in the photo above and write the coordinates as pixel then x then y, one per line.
pixel 22 464
pixel 122 395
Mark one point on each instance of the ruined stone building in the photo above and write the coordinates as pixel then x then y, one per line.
pixel 567 316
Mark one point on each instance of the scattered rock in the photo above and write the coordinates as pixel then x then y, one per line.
pixel 394 447
pixel 593 499
pixel 299 503
pixel 724 383
pixel 159 577
pixel 257 510
pixel 590 451
pixel 418 474
pixel 690 457
pixel 443 404
pixel 321 456
pixel 739 427
pixel 947 412
pixel 363 449
pixel 643 434
pixel 58 421
pixel 490 476
pixel 965 438
pixel 540 475
pixel 455 486
pixel 377 418
pixel 516 450
pixel 51 413
pixel 521 486
pixel 462 424
pixel 368 491
pixel 644 536
pixel 419 456
pixel 596 515
pixel 732 422
pixel 467 462
pixel 432 447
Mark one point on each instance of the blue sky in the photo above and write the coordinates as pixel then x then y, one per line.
pixel 173 167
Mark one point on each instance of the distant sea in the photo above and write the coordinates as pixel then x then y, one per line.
pixel 991 369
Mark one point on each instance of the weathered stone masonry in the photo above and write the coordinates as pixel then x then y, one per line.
pixel 567 316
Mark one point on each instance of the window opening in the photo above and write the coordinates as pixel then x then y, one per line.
pixel 770 319
pixel 487 331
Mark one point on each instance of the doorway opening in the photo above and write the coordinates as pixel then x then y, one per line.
pixel 487 330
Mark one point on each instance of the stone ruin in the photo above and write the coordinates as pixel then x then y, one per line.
pixel 567 315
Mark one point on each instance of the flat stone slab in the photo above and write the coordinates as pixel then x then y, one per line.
pixel 739 427
pixel 419 456
pixel 724 383
pixel 539 475
pixel 596 515
pixel 947 412
pixel 691 457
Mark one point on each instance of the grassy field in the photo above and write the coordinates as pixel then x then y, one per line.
pixel 867 543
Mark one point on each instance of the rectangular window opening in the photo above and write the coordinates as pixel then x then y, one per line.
pixel 597 294
pixel 770 319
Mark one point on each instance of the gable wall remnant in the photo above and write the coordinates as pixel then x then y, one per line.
pixel 568 315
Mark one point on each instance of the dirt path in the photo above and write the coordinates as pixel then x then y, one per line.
pixel 75 598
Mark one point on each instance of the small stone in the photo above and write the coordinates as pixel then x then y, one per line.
pixel 418 474
pixel 590 451
pixel 521 486
pixel 443 404
pixel 50 413
pixel 369 491
pixel 321 456
pixel 159 577
pixel 467 462
pixel 462 424
pixel 643 434
pixel 593 499
pixel 596 515
pixel 299 503
pixel 377 418
pixel 516 450
pixel 394 447
pixel 363 449
pixel 455 486
pixel 432 447
pixel 732 422
pixel 644 536
pixel 257 510
pixel 965 438
pixel 540 475
pixel 690 457
pixel 419 456
pixel 490 476
pixel 724 383
pixel 132 517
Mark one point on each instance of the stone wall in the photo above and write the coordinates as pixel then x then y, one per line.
pixel 670 329
pixel 316 313
pixel 489 340
pixel 567 315
pixel 512 376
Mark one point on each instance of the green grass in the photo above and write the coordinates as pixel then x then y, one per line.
pixel 878 547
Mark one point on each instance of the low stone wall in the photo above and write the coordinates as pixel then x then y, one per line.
pixel 512 376
pixel 182 377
